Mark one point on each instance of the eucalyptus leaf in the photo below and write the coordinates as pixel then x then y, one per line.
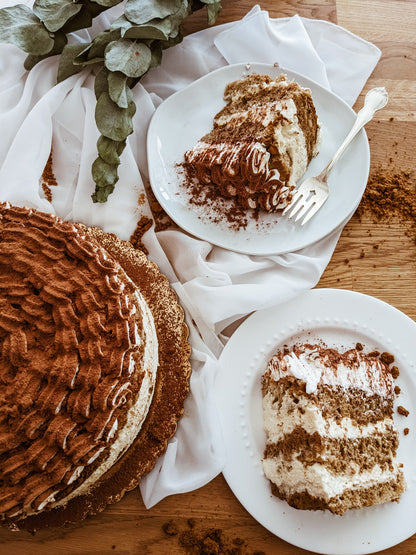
pixel 131 58
pixel 82 20
pixel 157 53
pixel 110 150
pixel 170 42
pixel 143 11
pixel 105 177
pixel 213 9
pixel 66 66
pixel 122 24
pixel 108 3
pixel 100 42
pixel 112 121
pixel 118 89
pixel 155 29
pixel 19 26
pixel 60 41
pixel 55 13
pixel 101 82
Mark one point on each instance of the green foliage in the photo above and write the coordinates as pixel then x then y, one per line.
pixel 123 54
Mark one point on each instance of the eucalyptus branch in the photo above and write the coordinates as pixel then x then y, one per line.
pixel 122 54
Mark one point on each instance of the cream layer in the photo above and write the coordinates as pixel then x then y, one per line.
pixel 293 477
pixel 282 420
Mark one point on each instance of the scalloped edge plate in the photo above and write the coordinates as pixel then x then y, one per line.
pixel 341 319
pixel 183 118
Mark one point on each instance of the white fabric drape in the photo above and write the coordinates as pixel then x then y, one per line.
pixel 216 286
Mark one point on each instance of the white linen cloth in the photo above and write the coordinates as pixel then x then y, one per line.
pixel 216 286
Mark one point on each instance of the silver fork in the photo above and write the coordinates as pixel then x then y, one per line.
pixel 314 191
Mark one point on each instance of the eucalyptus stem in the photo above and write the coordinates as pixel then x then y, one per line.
pixel 122 54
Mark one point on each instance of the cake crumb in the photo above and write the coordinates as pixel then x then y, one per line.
pixel 359 346
pixel 197 540
pixel 394 371
pixel 401 410
pixel 387 358
pixel 170 528
pixel 406 431
pixel 397 390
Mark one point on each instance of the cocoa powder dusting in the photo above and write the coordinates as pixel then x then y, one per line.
pixel 48 179
pixel 136 239
pixel 217 209
pixel 196 540
pixel 390 196
pixel 162 220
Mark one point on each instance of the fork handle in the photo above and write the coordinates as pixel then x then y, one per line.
pixel 374 100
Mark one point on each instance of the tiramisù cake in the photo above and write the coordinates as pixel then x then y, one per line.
pixel 94 368
pixel 261 143
pixel 331 439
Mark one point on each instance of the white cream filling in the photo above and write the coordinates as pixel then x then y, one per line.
pixel 293 477
pixel 290 415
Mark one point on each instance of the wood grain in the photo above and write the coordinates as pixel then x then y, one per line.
pixel 376 258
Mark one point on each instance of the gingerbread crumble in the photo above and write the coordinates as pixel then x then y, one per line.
pixel 401 410
pixel 48 179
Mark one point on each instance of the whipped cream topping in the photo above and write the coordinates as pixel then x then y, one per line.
pixel 317 366
pixel 78 360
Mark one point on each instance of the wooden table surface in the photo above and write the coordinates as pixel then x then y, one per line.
pixel 376 258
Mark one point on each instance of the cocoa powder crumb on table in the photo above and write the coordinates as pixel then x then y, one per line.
pixel 196 540
pixel 397 390
pixel 390 195
pixel 170 528
pixel 406 431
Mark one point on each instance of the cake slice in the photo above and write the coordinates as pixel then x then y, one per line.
pixel 331 439
pixel 261 143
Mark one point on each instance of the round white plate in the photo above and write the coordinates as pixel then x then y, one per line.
pixel 186 116
pixel 341 319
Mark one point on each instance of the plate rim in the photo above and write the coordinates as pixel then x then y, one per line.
pixel 225 243
pixel 253 320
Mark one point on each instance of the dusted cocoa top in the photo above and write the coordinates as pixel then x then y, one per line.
pixel 72 338
pixel 316 366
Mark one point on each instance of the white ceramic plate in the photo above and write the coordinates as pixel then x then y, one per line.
pixel 341 319
pixel 182 119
